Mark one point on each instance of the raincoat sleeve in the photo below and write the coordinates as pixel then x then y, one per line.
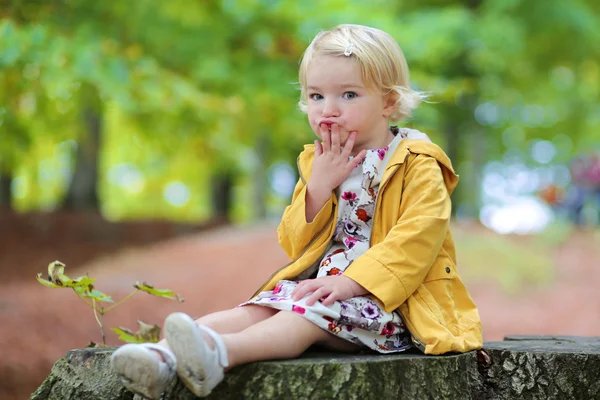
pixel 392 269
pixel 294 233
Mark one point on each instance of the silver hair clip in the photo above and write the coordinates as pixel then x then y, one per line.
pixel 348 50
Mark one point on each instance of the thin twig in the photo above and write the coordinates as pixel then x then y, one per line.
pixel 99 321
pixel 122 300
pixel 84 300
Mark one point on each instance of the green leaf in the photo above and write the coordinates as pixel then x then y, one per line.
pixel 166 293
pixel 126 335
pixel 146 333
pixel 99 296
pixel 46 283
pixel 82 281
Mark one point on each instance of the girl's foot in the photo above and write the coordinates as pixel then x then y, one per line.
pixel 142 370
pixel 199 365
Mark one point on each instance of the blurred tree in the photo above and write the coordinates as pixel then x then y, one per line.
pixel 82 193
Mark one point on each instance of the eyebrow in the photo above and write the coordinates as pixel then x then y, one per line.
pixel 345 86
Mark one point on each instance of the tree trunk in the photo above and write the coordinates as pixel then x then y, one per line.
pixel 5 190
pixel 222 196
pixel 458 132
pixel 260 187
pixel 521 367
pixel 452 148
pixel 452 142
pixel 82 193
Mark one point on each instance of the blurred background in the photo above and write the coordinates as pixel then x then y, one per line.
pixel 156 141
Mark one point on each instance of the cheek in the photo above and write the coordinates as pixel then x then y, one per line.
pixel 313 119
pixel 344 136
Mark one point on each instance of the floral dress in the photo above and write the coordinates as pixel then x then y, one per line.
pixel 360 320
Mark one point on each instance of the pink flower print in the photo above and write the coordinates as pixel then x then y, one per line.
pixel 381 153
pixel 350 242
pixel 388 329
pixel 277 288
pixel 349 196
pixel 298 309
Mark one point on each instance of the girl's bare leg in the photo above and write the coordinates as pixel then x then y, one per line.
pixel 236 319
pixel 284 335
pixel 233 320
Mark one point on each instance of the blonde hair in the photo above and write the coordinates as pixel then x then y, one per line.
pixel 381 61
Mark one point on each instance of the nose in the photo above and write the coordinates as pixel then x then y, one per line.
pixel 330 108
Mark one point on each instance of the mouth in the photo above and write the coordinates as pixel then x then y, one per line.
pixel 327 122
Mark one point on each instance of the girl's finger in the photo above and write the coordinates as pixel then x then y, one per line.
pixel 326 137
pixel 330 299
pixel 358 159
pixel 349 144
pixel 335 138
pixel 317 294
pixel 303 289
pixel 318 148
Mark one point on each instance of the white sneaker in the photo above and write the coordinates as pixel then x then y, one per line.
pixel 142 371
pixel 199 366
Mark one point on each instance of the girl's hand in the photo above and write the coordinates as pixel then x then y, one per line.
pixel 328 288
pixel 331 165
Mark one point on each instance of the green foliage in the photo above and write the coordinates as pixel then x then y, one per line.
pixel 84 288
pixel 187 90
pixel 82 285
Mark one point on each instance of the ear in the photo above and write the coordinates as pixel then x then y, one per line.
pixel 389 104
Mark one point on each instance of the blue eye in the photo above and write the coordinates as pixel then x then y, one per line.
pixel 315 96
pixel 349 95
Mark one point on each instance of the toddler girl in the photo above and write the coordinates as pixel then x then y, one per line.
pixel 373 265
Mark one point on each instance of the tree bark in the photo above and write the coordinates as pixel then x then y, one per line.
pixel 82 193
pixel 534 367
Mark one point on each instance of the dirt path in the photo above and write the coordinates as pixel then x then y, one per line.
pixel 569 306
pixel 221 268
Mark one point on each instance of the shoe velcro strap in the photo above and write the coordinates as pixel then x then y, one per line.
pixel 219 345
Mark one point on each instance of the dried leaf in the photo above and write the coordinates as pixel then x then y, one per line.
pixel 150 333
pixel 56 271
pixel 166 293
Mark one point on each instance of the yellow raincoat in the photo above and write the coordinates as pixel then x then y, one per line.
pixel 411 263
